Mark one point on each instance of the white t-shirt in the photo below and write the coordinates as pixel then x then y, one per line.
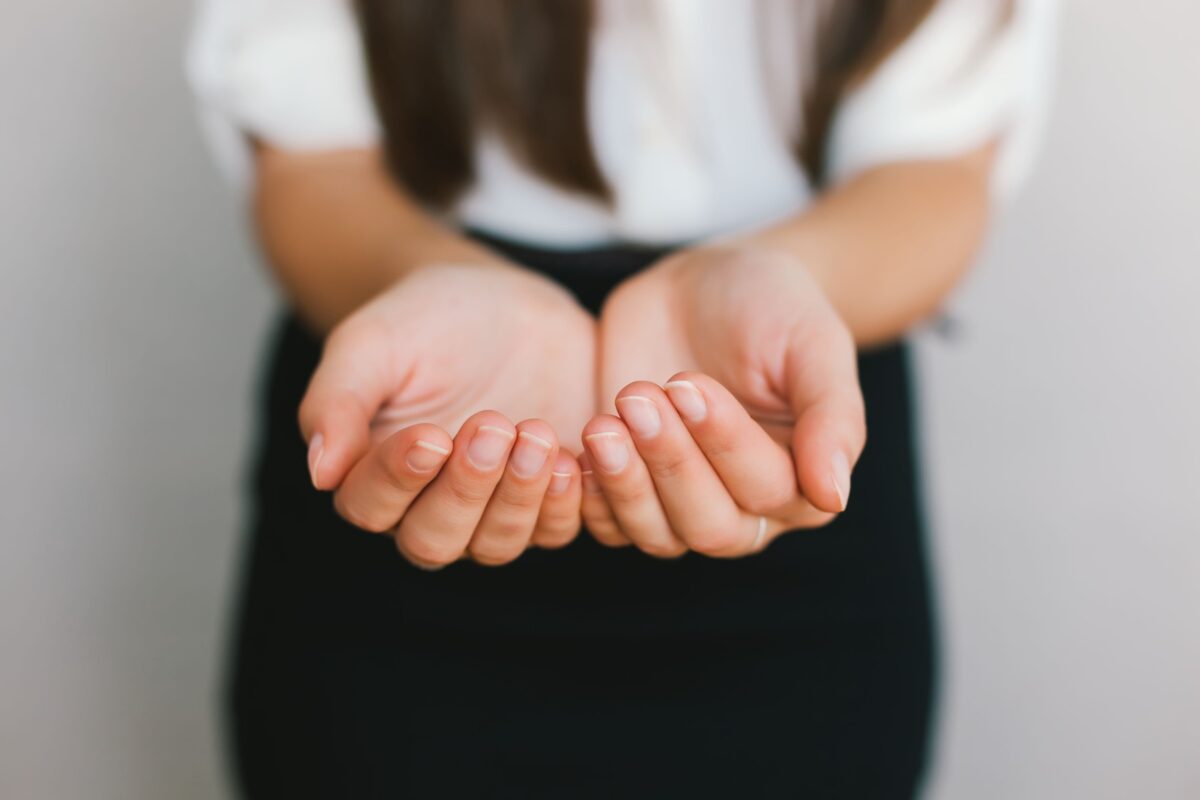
pixel 693 107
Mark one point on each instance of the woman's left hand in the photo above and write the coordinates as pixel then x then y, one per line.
pixel 758 423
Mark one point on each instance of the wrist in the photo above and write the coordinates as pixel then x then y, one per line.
pixel 761 274
pixel 792 241
pixel 478 270
pixel 762 253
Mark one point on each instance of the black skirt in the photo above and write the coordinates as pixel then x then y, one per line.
pixel 805 671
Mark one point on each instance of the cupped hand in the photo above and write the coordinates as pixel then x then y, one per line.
pixel 758 422
pixel 394 423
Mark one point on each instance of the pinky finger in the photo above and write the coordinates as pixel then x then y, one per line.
pixel 597 515
pixel 558 520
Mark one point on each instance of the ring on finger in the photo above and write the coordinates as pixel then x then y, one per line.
pixel 762 533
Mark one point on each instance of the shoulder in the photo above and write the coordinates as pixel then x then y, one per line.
pixel 290 72
pixel 972 71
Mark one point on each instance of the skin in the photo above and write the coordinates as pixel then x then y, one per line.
pixel 715 400
pixel 413 359
pixel 767 364
pixel 765 328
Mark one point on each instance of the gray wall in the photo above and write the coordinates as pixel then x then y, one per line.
pixel 1061 429
pixel 1064 441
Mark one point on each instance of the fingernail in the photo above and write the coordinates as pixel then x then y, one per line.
pixel 609 451
pixel 559 482
pixel 590 484
pixel 489 446
pixel 529 456
pixel 841 478
pixel 425 456
pixel 687 399
pixel 640 414
pixel 316 449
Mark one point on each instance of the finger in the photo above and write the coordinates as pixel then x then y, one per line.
pixel 799 516
pixel 626 484
pixel 755 469
pixel 821 380
pixel 698 506
pixel 344 393
pixel 507 524
pixel 559 519
pixel 384 483
pixel 597 515
pixel 440 522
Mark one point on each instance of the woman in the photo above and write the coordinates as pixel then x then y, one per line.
pixel 640 265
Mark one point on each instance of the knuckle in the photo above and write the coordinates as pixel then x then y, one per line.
pixel 359 517
pixel 504 528
pixel 518 498
pixel 720 442
pixel 558 519
pixel 466 492
pixel 672 462
pixel 552 542
pixel 603 529
pixel 426 551
pixel 622 493
pixel 552 538
pixel 664 550
pixel 494 557
pixel 714 540
pixel 613 540
pixel 762 499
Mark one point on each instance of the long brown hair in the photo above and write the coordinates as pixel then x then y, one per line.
pixel 443 70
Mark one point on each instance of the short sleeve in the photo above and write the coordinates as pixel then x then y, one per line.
pixel 970 72
pixel 290 72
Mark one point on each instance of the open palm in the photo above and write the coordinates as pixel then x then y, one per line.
pixel 413 387
pixel 761 408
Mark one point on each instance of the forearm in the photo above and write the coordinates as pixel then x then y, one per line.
pixel 337 231
pixel 889 245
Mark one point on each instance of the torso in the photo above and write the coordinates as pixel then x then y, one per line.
pixel 704 149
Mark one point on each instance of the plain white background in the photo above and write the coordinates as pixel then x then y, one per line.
pixel 1061 425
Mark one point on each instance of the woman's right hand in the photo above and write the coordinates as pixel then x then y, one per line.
pixel 416 363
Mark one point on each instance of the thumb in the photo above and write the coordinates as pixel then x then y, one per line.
pixel 823 392
pixel 343 396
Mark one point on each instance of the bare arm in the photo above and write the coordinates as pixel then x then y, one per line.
pixel 887 246
pixel 434 414
pixel 337 230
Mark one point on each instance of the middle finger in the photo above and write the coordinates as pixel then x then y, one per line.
pixel 699 506
pixel 439 524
